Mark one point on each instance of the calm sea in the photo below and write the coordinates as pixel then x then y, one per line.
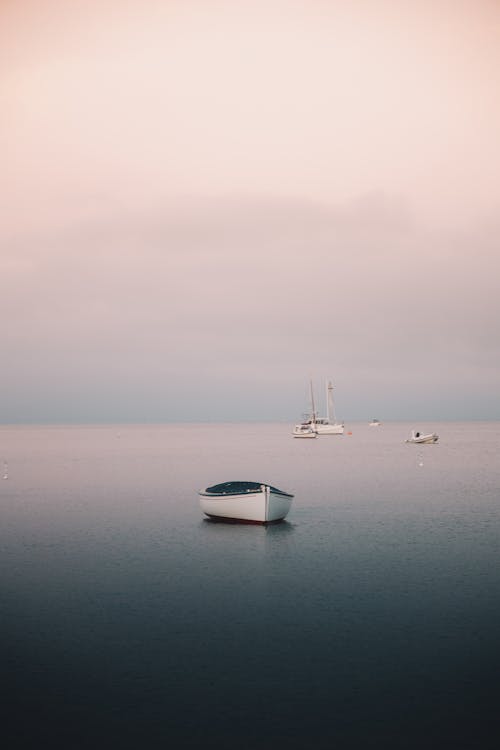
pixel 369 618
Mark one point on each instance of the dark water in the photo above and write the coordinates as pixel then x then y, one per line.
pixel 370 618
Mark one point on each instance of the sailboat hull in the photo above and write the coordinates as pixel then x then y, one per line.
pixel 329 429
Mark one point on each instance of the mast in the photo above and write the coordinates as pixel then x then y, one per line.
pixel 313 416
pixel 329 402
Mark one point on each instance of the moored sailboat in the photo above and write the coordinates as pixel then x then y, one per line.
pixel 328 425
pixel 307 429
pixel 325 425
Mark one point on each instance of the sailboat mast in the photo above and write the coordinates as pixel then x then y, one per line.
pixel 330 402
pixel 313 416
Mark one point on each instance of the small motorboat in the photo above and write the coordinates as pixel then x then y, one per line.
pixel 417 437
pixel 375 423
pixel 246 502
pixel 305 430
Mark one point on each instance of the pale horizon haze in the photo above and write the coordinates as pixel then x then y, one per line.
pixel 204 204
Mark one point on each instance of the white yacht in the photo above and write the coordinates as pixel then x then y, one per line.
pixel 307 429
pixel 325 425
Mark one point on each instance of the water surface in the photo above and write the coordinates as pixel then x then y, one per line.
pixel 370 617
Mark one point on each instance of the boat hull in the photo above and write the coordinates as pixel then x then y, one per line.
pixel 318 427
pixel 305 434
pixel 263 506
pixel 330 429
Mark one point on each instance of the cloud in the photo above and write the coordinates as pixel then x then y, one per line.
pixel 238 287
pixel 251 195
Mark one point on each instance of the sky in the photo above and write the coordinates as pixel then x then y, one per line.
pixel 204 204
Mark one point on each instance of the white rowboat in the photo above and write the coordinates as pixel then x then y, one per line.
pixel 246 502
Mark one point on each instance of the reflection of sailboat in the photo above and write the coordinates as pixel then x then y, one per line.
pixel 326 425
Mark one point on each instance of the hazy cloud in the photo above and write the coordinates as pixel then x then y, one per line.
pixel 204 203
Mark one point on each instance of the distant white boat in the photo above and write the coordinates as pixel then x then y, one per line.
pixel 416 437
pixel 249 502
pixel 307 429
pixel 375 423
pixel 304 431
pixel 328 425
pixel 321 425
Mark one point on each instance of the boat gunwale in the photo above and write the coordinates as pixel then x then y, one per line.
pixel 256 488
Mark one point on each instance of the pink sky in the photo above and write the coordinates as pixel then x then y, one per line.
pixel 254 189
